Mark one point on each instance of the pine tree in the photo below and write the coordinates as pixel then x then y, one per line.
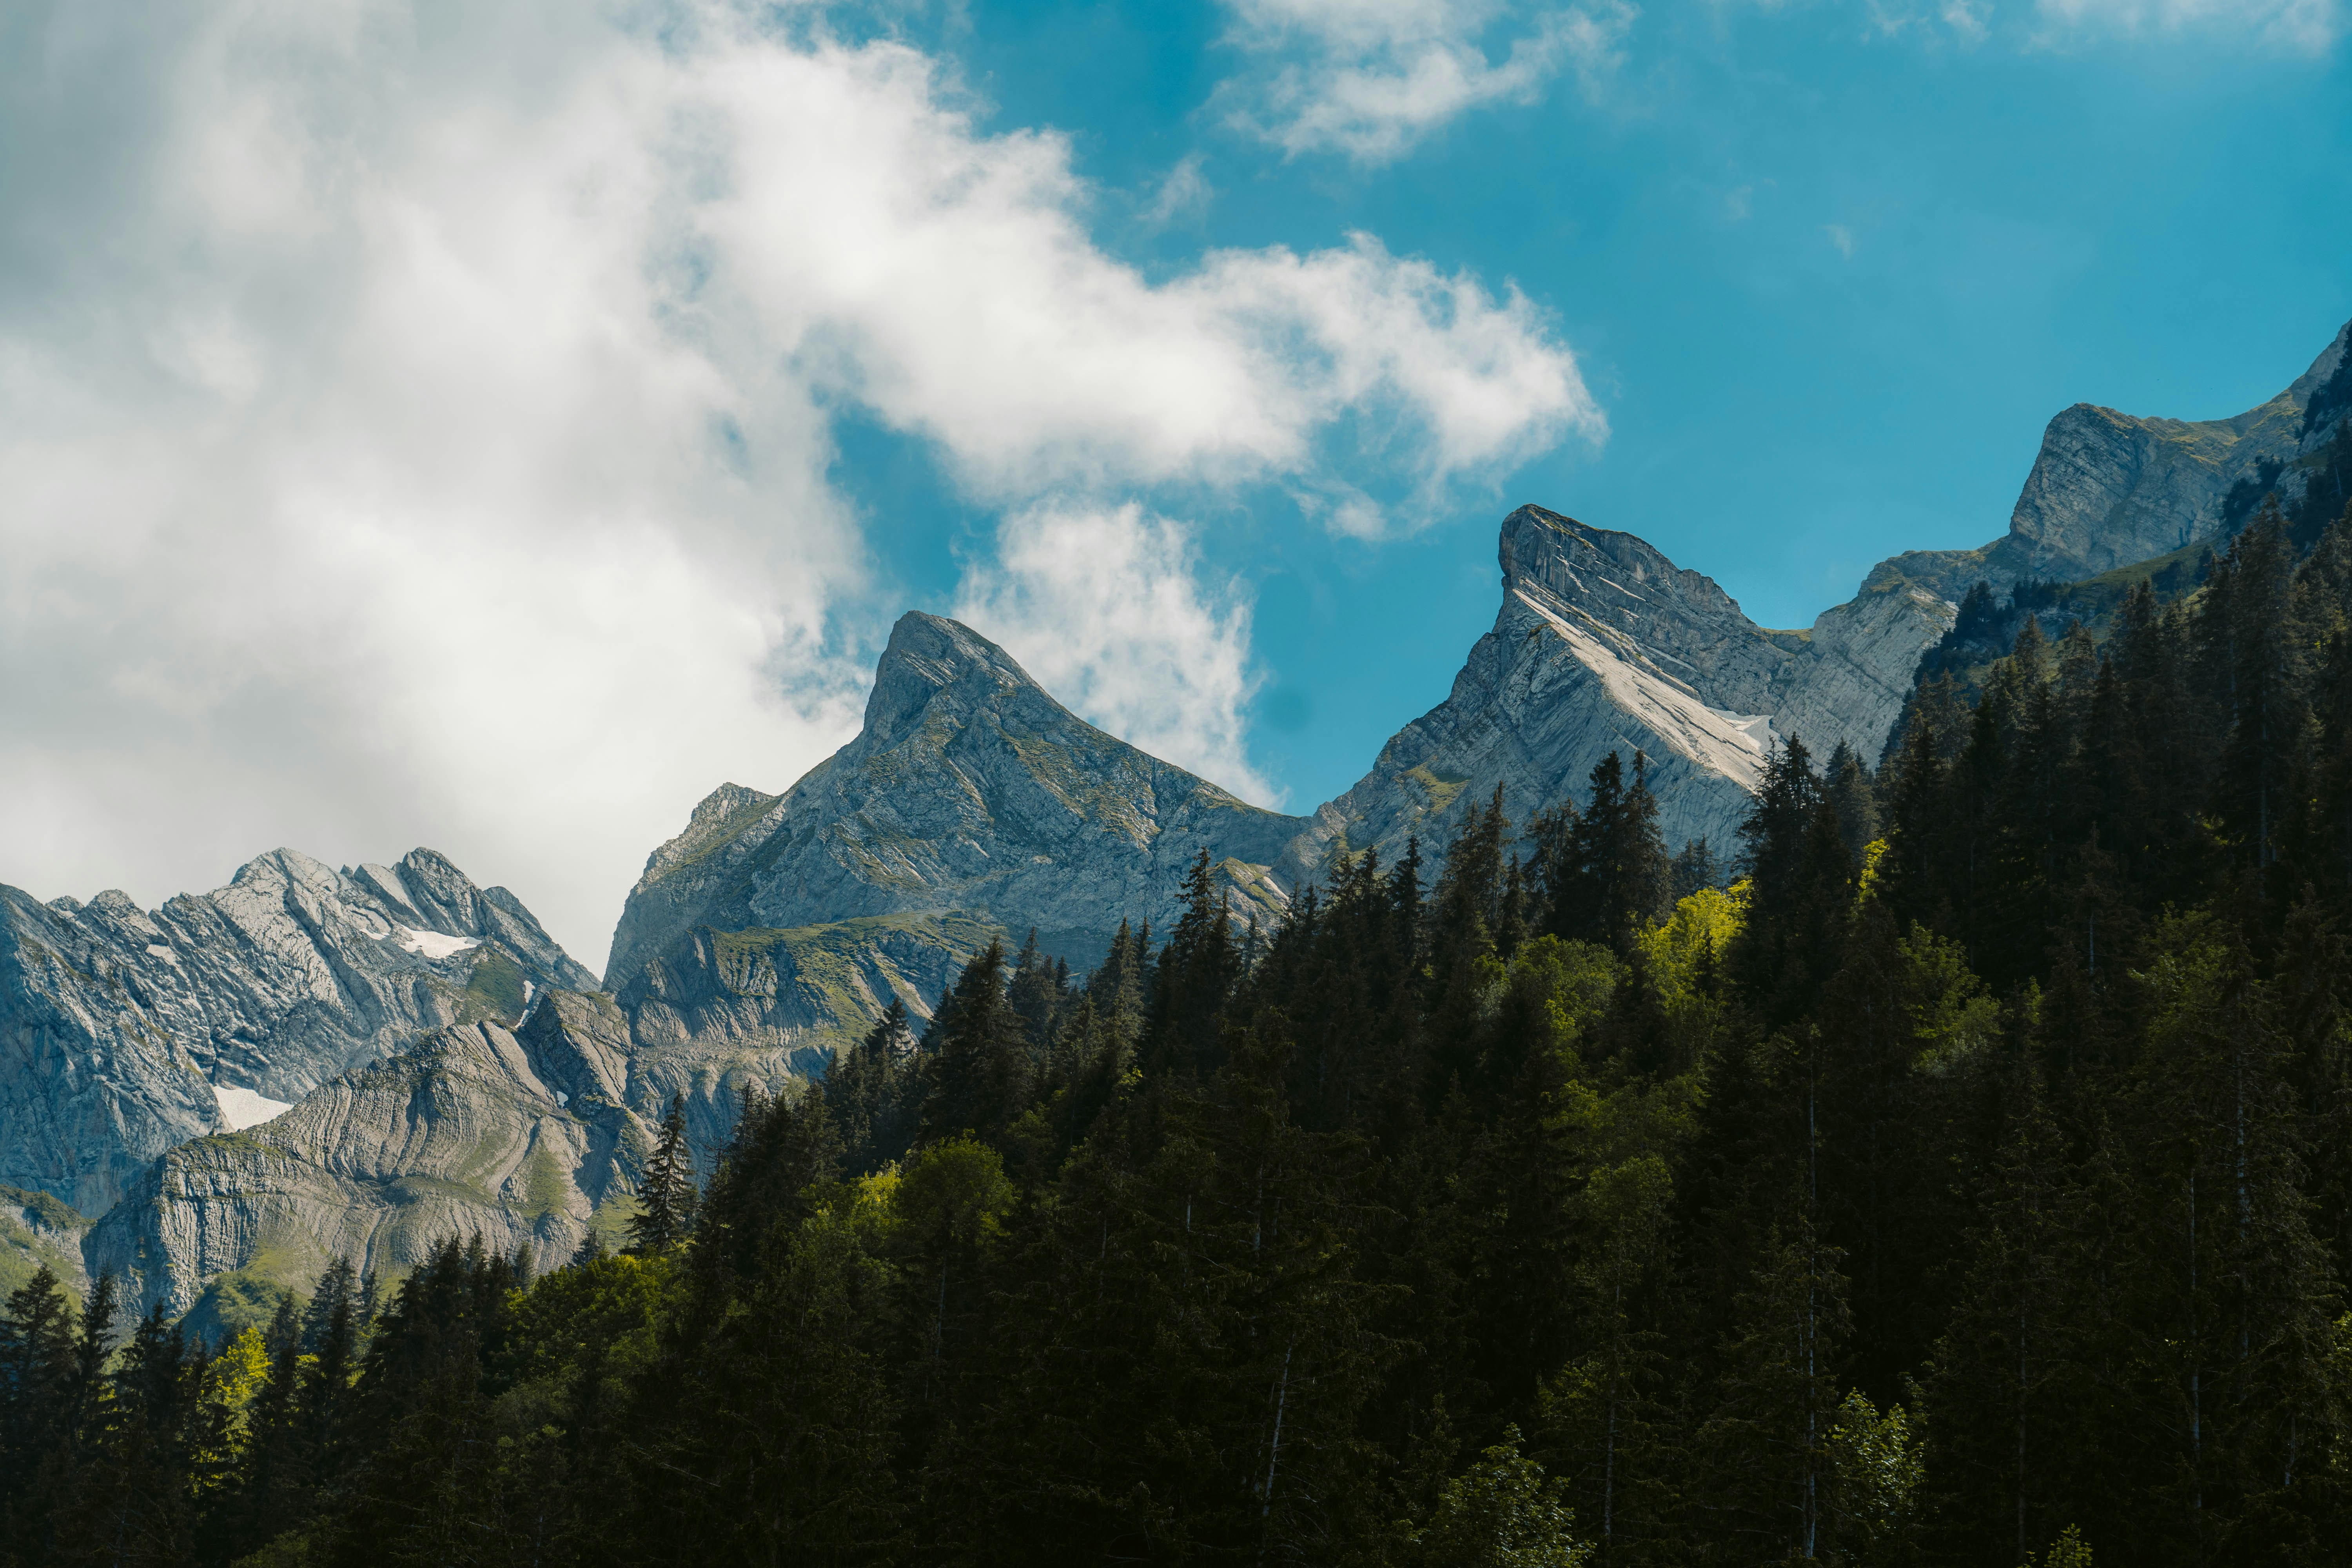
pixel 978 1068
pixel 37 1389
pixel 871 1092
pixel 1765 1478
pixel 1604 870
pixel 1035 994
pixel 666 1190
pixel 1196 975
pixel 1695 866
pixel 1853 796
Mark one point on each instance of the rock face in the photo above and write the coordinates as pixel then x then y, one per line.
pixel 525 1137
pixel 120 1027
pixel 971 803
pixel 1602 645
pixel 38 1231
pixel 2110 490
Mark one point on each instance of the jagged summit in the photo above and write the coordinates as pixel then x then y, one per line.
pixel 928 655
pixel 127 1022
pixel 1603 643
pixel 969 795
pixel 2109 488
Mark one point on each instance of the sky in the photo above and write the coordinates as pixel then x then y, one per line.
pixel 492 425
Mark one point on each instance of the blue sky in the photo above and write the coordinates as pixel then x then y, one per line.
pixel 493 425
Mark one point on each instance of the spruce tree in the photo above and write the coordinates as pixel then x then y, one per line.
pixel 979 1066
pixel 665 1189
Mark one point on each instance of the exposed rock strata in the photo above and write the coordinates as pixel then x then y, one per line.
pixel 523 1137
pixel 2108 490
pixel 970 793
pixel 1602 645
pixel 116 1022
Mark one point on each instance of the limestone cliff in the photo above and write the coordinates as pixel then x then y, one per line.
pixel 971 803
pixel 525 1137
pixel 1602 645
pixel 122 1029
pixel 2108 490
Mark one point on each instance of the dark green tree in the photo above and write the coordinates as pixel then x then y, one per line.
pixel 665 1189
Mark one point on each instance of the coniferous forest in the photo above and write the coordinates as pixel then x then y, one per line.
pixel 1956 1170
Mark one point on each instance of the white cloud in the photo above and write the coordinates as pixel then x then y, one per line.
pixel 1106 608
pixel 1841 238
pixel 1370 77
pixel 416 427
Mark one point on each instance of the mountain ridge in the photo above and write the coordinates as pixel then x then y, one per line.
pixel 435 1043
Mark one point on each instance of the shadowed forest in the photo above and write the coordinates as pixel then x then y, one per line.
pixel 1968 1182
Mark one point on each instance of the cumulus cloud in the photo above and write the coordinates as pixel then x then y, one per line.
pixel 417 425
pixel 1109 610
pixel 1370 77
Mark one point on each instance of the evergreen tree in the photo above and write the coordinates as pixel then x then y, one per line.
pixel 1611 877
pixel 666 1190
pixel 1854 795
pixel 1036 991
pixel 1695 866
pixel 979 1067
pixel 871 1092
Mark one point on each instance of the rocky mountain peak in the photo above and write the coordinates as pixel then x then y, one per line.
pixel 2328 368
pixel 1543 550
pixel 2109 490
pixel 971 803
pixel 1603 643
pixel 928 655
pixel 131 1023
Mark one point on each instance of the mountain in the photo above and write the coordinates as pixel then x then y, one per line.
pixel 1601 645
pixel 2111 490
pixel 528 1137
pixel 971 805
pixel 455 1072
pixel 125 1032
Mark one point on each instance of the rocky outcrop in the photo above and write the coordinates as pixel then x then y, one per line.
pixel 1602 645
pixel 527 1138
pixel 971 803
pixel 38 1232
pixel 120 1028
pixel 2109 490
pixel 798 992
pixel 685 875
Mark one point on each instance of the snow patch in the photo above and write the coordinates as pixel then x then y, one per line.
pixel 157 950
pixel 242 1108
pixel 433 944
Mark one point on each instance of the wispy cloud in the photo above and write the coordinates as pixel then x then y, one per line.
pixel 2301 26
pixel 2309 28
pixel 1370 77
pixel 1184 193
